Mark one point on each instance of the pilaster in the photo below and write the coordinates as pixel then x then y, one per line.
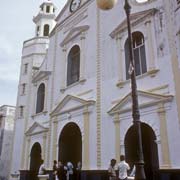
pixel 28 152
pixel 44 147
pixel 117 136
pixel 150 47
pixel 164 137
pixel 85 162
pixel 64 65
pixel 120 60
pixel 82 57
pixel 55 123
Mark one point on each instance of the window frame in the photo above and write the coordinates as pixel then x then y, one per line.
pixel 40 98
pixel 142 67
pixel 73 65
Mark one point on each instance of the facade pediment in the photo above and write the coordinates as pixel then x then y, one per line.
pixel 36 128
pixel 135 18
pixel 40 75
pixel 74 33
pixel 145 99
pixel 70 103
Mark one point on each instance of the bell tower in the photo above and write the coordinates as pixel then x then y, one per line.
pixel 45 19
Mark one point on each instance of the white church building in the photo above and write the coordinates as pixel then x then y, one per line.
pixel 74 97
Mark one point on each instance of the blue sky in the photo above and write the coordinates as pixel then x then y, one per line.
pixel 16 26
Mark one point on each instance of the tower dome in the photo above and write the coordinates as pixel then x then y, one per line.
pixel 45 19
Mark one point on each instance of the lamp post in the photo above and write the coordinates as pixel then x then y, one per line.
pixel 139 174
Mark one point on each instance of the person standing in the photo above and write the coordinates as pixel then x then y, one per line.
pixel 60 171
pixel 69 171
pixel 54 169
pixel 123 167
pixel 112 170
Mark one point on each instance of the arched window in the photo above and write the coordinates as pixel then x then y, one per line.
pixel 40 98
pixel 139 54
pixel 73 65
pixel 46 30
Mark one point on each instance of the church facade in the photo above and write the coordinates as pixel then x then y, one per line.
pixel 74 98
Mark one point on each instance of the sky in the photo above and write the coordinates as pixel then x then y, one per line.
pixel 16 27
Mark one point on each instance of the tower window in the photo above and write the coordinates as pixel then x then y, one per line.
pixel 21 111
pixel 40 98
pixel 73 65
pixel 25 68
pixel 37 31
pixel 139 54
pixel 47 9
pixel 23 88
pixel 46 30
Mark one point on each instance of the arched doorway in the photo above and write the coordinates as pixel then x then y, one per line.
pixel 70 144
pixel 150 149
pixel 35 160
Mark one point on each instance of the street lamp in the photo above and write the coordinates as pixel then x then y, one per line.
pixel 139 174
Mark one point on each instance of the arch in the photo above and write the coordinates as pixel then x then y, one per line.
pixel 35 157
pixel 70 144
pixel 139 54
pixel 40 98
pixel 150 149
pixel 46 30
pixel 73 65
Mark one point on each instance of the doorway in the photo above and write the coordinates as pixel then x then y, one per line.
pixel 150 150
pixel 70 144
pixel 35 160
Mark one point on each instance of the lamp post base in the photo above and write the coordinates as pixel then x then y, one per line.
pixel 140 175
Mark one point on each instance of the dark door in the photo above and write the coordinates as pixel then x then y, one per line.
pixel 70 144
pixel 150 150
pixel 35 161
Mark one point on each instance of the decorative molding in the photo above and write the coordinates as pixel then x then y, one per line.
pixel 151 100
pixel 41 75
pixel 80 103
pixel 98 89
pixel 158 88
pixel 152 72
pixel 73 33
pixel 35 129
pixel 39 114
pixel 135 19
pixel 82 81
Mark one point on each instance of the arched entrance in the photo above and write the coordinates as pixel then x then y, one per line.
pixel 70 144
pixel 150 149
pixel 35 160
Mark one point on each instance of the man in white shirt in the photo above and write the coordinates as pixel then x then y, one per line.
pixel 123 167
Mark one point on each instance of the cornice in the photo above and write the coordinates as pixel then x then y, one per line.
pixel 40 75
